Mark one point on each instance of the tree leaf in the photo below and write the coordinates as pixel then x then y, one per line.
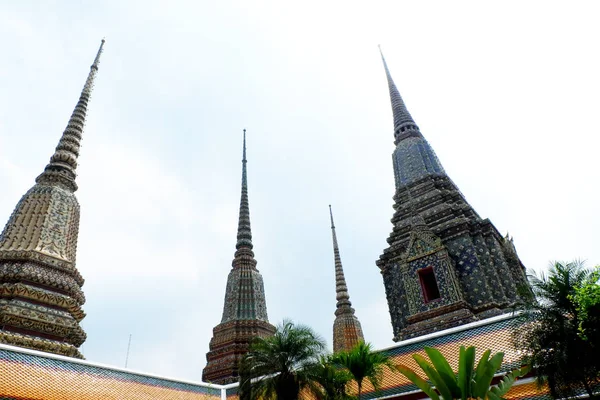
pixel 466 364
pixel 417 380
pixel 485 373
pixel 481 364
pixel 433 376
pixel 444 370
pixel 509 379
pixel 496 361
pixel 503 386
pixel 492 396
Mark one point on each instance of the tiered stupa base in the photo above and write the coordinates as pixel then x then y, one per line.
pixel 40 308
pixel 230 342
pixel 347 332
pixel 40 344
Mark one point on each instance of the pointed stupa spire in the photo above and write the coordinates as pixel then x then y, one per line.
pixel 433 225
pixel 245 307
pixel 38 251
pixel 413 158
pixel 244 234
pixel 347 331
pixel 341 289
pixel 402 118
pixel 63 163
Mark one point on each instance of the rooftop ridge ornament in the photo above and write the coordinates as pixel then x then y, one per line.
pixel 244 233
pixel 63 163
pixel 402 118
pixel 347 331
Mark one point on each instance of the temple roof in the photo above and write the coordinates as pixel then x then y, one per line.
pixel 31 374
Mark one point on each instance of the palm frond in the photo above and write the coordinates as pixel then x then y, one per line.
pixel 277 366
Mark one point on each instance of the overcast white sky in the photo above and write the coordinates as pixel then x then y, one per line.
pixel 506 93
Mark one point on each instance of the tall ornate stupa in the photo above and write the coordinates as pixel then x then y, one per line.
pixel 40 287
pixel 445 265
pixel 245 310
pixel 347 331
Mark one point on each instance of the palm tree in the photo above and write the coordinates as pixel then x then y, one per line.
pixel 279 366
pixel 550 338
pixel 362 362
pixel 587 299
pixel 329 381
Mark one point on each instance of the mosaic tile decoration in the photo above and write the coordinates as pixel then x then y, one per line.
pixel 26 375
pixel 437 234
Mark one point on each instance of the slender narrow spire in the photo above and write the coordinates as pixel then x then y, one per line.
pixel 347 332
pixel 244 152
pixel 244 234
pixel 245 308
pixel 341 289
pixel 63 163
pixel 413 157
pixel 401 115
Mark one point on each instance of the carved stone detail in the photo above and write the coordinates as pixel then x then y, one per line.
pixel 38 343
pixel 58 300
